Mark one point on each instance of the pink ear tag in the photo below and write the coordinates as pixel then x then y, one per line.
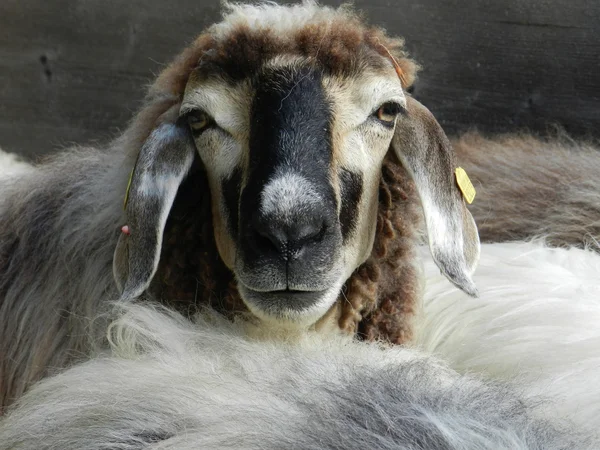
pixel 125 229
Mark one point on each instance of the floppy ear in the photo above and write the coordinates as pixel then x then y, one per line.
pixel 424 149
pixel 163 162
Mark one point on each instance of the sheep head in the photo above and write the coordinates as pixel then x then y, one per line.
pixel 291 113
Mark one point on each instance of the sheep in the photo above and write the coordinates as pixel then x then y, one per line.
pixel 534 325
pixel 317 230
pixel 176 384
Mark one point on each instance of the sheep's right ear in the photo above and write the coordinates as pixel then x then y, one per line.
pixel 163 162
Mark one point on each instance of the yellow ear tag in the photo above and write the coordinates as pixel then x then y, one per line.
pixel 465 185
pixel 128 187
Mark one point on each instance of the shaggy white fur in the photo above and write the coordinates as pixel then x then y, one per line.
pixel 173 384
pixel 522 359
pixel 282 19
pixel 537 318
pixel 11 165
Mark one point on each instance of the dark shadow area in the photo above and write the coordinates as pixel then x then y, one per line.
pixel 74 71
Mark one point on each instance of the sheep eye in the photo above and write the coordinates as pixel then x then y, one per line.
pixel 388 112
pixel 198 121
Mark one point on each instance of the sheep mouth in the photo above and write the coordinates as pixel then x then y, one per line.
pixel 289 298
pixel 288 304
pixel 299 297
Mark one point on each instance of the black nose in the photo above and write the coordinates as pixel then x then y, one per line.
pixel 288 237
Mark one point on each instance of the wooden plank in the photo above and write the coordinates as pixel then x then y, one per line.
pixel 75 71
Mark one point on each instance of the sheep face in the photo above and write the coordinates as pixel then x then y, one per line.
pixel 293 157
pixel 292 112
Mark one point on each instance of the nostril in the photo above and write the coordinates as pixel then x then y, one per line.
pixel 287 238
pixel 269 236
pixel 311 233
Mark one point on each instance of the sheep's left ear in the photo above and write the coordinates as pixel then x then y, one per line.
pixel 423 148
pixel 163 162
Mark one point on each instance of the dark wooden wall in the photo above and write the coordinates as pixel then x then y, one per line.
pixel 75 71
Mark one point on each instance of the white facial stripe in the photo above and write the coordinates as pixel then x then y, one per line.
pixel 358 155
pixel 287 194
pixel 361 146
pixel 220 153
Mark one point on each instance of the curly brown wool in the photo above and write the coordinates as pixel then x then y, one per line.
pixel 191 274
pixel 377 302
pixel 383 292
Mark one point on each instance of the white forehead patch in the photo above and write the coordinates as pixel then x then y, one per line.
pixel 286 195
pixel 279 19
